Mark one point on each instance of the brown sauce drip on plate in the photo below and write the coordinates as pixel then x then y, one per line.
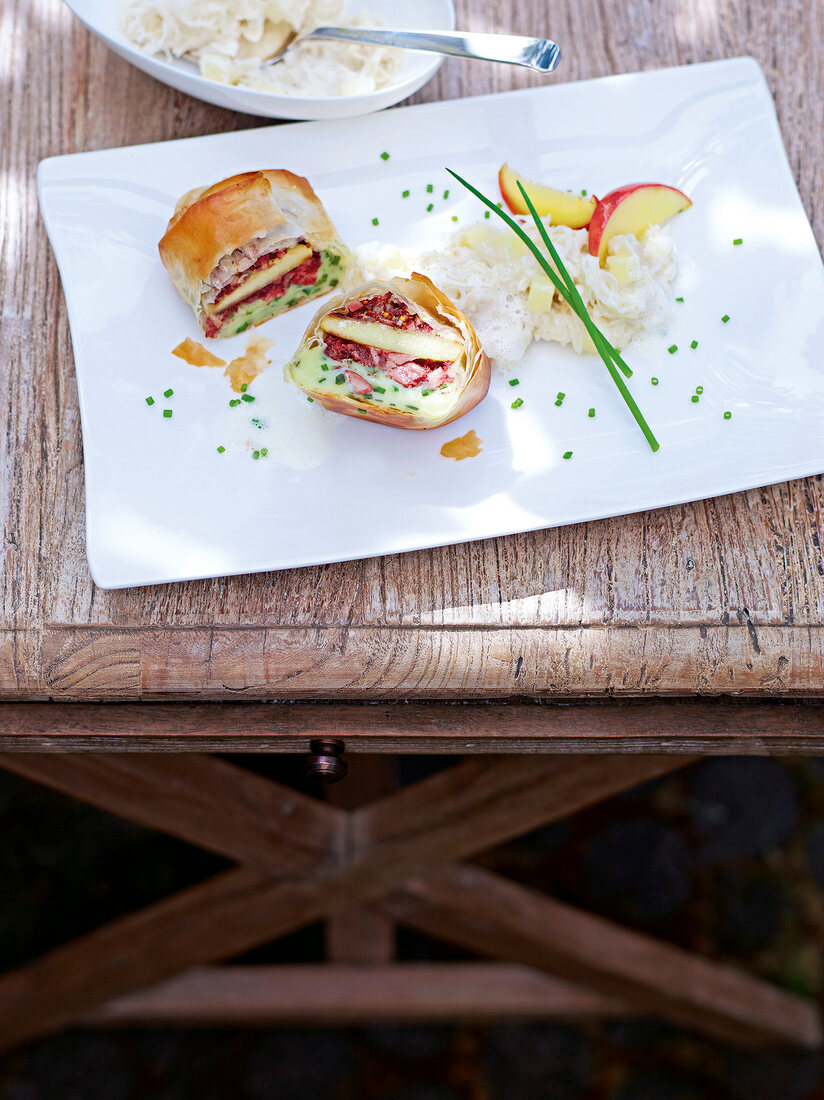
pixel 246 367
pixel 196 355
pixel 465 446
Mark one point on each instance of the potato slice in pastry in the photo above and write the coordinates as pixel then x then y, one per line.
pixel 398 353
pixel 249 248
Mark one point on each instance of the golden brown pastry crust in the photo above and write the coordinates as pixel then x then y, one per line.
pixel 435 308
pixel 211 222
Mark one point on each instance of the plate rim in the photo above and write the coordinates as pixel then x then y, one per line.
pixel 156 68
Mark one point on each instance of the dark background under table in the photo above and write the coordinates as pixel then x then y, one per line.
pixel 725 857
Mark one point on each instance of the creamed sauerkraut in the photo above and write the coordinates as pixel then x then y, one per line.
pixel 492 277
pixel 229 39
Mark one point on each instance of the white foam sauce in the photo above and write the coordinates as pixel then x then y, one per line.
pixel 295 432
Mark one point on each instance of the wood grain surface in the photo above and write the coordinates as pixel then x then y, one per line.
pixel 493 916
pixel 723 596
pixel 695 726
pixel 261 996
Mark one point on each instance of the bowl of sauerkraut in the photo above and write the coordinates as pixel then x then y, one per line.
pixel 212 49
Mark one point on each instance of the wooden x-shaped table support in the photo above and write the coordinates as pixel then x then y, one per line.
pixel 301 860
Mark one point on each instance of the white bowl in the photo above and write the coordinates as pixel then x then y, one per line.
pixel 102 17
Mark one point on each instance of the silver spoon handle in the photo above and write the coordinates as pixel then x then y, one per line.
pixel 539 54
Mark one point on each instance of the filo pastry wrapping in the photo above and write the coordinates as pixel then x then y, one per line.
pixel 250 247
pixel 398 353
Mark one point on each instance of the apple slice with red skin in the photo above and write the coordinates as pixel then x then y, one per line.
pixel 632 209
pixel 563 207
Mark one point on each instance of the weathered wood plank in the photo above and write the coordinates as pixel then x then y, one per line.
pixel 199 799
pixel 488 914
pixel 694 726
pixel 736 657
pixel 479 802
pixel 242 909
pixel 385 663
pixel 721 567
pixel 259 996
pixel 224 916
pixel 359 934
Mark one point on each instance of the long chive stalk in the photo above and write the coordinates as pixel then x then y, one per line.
pixel 582 312
pixel 565 286
pixel 605 349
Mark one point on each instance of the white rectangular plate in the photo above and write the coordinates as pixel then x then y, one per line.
pixel 163 505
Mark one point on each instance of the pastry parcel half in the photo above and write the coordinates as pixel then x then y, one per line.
pixel 398 353
pixel 250 247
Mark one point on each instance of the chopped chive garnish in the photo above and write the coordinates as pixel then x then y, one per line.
pixel 695 399
pixel 443 385
pixel 340 379
pixel 425 393
pixel 384 156
pixel 559 396
pixel 220 450
pixel 167 413
pixel 516 404
pixel 486 213
pixel 311 400
pixel 584 192
pixel 653 381
pixel 404 194
pixel 454 217
pixel 333 282
pixel 150 401
pixel 264 451
pixel 247 397
pixel 429 208
pixel 591 412
pixel 672 349
pixel 679 299
pixel 395 388
pixel 429 189
pixel 319 381
pixel 379 389
pixel 234 402
pixel 168 393
pixel 694 345
pixel 728 415
pixel 725 318
pixel 738 240
pixel 244 386
pixel 699 389
pixel 255 455
pixel 446 193
pixel 564 284
pixel 375 221
pixel 514 382
pixel 415 407
pixel 567 454
pixel 362 411
pixel 558 404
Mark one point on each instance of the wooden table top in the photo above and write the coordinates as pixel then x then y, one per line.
pixel 723 596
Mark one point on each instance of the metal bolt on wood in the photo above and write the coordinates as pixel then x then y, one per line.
pixel 325 760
